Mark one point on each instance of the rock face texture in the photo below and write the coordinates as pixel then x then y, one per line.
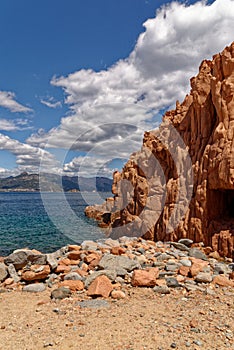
pixel 181 183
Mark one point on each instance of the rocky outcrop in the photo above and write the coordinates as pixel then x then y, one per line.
pixel 181 183
pixel 136 263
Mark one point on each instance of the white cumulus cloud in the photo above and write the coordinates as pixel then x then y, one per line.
pixel 7 100
pixel 134 90
pixel 80 164
pixel 8 125
pixel 14 125
pixel 4 172
pixel 28 157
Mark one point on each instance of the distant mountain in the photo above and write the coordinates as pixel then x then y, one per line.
pixel 54 183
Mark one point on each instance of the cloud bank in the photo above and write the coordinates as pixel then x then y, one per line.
pixel 110 109
pixel 28 158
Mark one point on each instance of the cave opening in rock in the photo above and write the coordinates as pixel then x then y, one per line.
pixel 221 204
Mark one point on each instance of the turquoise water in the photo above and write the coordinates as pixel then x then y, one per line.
pixel 24 221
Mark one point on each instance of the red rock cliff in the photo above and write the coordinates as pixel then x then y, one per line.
pixel 181 183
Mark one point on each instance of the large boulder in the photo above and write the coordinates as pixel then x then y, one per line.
pixel 18 259
pixel 181 183
pixel 21 257
pixel 101 286
pixel 145 278
pixel 120 264
pixel 36 273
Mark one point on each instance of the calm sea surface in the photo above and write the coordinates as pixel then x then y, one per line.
pixel 46 223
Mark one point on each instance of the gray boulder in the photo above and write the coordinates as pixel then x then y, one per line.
pixel 19 259
pixel 89 245
pixel 93 304
pixel 162 256
pixel 3 272
pixel 180 246
pixel 115 262
pixel 12 272
pixel 197 253
pixel 34 288
pixel 60 293
pixel 172 282
pixel 221 268
pixel 161 290
pixel 52 260
pixel 186 262
pixel 203 277
pixel 74 276
pixel 60 253
pixel 186 241
pixel 37 259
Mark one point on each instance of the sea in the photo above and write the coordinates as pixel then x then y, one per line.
pixel 46 221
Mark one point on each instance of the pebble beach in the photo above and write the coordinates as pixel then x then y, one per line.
pixel 140 294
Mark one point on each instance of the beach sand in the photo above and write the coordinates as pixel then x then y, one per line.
pixel 143 320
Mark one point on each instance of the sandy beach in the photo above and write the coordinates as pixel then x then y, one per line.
pixel 143 320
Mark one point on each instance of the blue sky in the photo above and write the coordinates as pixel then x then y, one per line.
pixel 76 77
pixel 43 39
